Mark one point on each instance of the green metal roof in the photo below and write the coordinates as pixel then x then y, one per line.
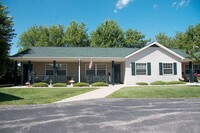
pixel 180 52
pixel 82 52
pixel 75 52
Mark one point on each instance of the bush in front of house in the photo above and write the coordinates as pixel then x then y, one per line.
pixel 59 85
pixel 167 83
pixel 142 83
pixel 40 84
pixel 99 84
pixel 158 83
pixel 175 82
pixel 81 84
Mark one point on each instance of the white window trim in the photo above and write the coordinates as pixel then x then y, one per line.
pixel 95 68
pixel 136 69
pixel 52 69
pixel 168 68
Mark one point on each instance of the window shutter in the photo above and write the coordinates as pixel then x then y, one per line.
pixel 133 68
pixel 160 69
pixel 149 68
pixel 175 68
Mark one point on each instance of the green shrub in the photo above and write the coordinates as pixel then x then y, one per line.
pixel 175 82
pixel 40 84
pixel 158 83
pixel 142 83
pixel 59 85
pixel 99 84
pixel 81 84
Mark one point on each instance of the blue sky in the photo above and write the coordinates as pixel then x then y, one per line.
pixel 147 16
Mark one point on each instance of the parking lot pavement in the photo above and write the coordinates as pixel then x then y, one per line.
pixel 104 116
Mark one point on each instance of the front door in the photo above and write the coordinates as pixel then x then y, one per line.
pixel 25 73
pixel 117 74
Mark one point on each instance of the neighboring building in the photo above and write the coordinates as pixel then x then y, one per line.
pixel 112 65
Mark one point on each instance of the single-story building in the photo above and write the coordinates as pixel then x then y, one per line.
pixel 112 65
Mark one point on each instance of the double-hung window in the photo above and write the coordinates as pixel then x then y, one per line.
pixel 90 72
pixel 101 69
pixel 97 69
pixel 168 68
pixel 196 68
pixel 49 69
pixel 61 69
pixel 141 69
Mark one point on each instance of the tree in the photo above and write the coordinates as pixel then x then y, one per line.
pixel 6 35
pixel 108 34
pixel 179 40
pixel 31 38
pixel 192 42
pixel 37 36
pixel 76 35
pixel 166 41
pixel 135 39
pixel 56 36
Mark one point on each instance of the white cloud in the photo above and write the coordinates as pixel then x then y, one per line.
pixel 155 6
pixel 122 3
pixel 180 3
pixel 174 4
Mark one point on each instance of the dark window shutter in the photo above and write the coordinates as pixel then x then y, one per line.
pixel 133 68
pixel 148 68
pixel 175 68
pixel 160 69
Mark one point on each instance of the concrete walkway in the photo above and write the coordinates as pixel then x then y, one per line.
pixel 99 93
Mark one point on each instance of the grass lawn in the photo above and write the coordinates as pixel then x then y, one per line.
pixel 19 96
pixel 157 92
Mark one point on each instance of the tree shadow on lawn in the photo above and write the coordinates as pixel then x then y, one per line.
pixel 7 97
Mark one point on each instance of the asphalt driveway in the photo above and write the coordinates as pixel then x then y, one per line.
pixel 104 116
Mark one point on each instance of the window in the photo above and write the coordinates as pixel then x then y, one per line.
pixel 141 68
pixel 61 69
pixel 97 69
pixel 101 70
pixel 49 69
pixel 167 68
pixel 196 68
pixel 91 71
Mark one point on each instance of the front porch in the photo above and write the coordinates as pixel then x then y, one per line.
pixel 62 71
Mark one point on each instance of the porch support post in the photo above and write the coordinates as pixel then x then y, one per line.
pixel 54 71
pixel 191 72
pixel 113 73
pixel 15 73
pixel 79 70
pixel 29 71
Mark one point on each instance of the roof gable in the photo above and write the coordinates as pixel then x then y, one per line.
pixel 156 44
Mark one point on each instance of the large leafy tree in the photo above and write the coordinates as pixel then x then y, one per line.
pixel 179 40
pixel 163 39
pixel 192 42
pixel 6 34
pixel 37 36
pixel 56 36
pixel 108 34
pixel 76 35
pixel 135 39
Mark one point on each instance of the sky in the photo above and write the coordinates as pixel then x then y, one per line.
pixel 147 16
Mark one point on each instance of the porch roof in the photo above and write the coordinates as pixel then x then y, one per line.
pixel 180 52
pixel 74 52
